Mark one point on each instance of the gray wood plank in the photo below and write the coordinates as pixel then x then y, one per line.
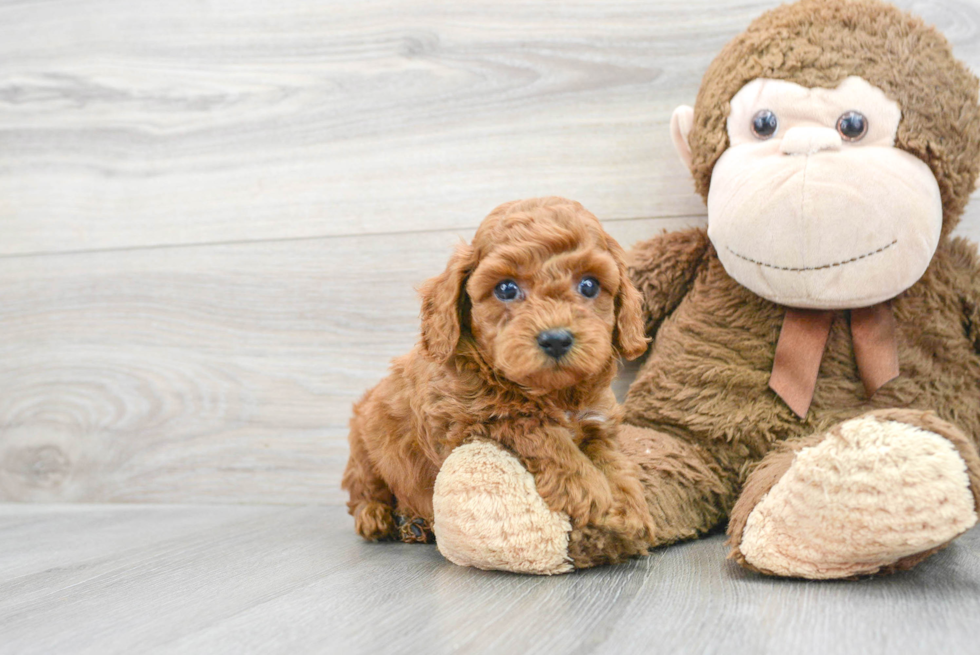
pixel 134 123
pixel 38 537
pixel 204 374
pixel 297 580
pixel 225 373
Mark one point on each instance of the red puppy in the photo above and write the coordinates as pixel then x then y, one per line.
pixel 520 340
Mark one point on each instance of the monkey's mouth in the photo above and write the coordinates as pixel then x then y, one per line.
pixel 815 268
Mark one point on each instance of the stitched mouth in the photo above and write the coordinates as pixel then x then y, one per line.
pixel 815 268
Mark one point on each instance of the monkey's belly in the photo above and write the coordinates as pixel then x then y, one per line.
pixel 706 376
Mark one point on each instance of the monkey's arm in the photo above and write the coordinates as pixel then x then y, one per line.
pixel 688 491
pixel 663 269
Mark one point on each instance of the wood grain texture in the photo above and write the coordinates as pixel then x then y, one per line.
pixel 297 580
pixel 144 123
pixel 209 374
pixel 214 213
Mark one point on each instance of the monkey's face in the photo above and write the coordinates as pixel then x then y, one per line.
pixel 812 205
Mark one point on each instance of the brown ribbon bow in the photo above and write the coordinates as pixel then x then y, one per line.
pixel 804 337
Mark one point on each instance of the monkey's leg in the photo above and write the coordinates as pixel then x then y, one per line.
pixel 874 494
pixel 489 514
pixel 686 490
pixel 371 502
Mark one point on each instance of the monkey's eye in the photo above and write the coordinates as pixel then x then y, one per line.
pixel 764 124
pixel 852 126
pixel 507 290
pixel 589 287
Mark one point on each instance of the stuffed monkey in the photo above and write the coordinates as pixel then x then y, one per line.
pixel 814 376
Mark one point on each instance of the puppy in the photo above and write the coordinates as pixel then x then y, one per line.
pixel 520 339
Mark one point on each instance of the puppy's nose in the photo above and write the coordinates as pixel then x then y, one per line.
pixel 555 342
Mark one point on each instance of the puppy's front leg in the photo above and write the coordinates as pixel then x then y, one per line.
pixel 627 529
pixel 630 513
pixel 564 476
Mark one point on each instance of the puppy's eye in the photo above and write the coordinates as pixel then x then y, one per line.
pixel 764 124
pixel 852 126
pixel 507 291
pixel 589 287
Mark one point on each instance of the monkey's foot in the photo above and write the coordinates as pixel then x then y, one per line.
pixel 875 494
pixel 488 514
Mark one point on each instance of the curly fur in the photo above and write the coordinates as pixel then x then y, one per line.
pixel 478 373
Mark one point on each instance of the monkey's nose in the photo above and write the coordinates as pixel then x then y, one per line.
pixel 555 343
pixel 809 140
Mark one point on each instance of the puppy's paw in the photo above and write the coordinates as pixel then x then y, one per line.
pixel 605 543
pixel 375 521
pixel 623 531
pixel 584 495
pixel 631 514
pixel 413 530
pixel 631 523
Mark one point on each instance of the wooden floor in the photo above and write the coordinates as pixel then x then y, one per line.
pixel 265 579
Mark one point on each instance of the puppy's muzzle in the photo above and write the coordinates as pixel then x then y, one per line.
pixel 555 343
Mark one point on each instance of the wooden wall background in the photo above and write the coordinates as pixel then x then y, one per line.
pixel 214 212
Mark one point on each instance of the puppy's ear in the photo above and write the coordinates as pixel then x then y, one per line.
pixel 628 336
pixel 444 305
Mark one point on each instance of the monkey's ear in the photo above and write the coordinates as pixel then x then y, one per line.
pixel 681 123
pixel 443 305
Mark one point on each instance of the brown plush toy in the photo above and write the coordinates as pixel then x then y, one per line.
pixel 814 376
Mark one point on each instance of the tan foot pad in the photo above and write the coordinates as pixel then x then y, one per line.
pixel 488 514
pixel 872 493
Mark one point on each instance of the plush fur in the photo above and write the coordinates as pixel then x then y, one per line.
pixel 703 389
pixel 819 43
pixel 487 521
pixel 836 488
pixel 479 374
